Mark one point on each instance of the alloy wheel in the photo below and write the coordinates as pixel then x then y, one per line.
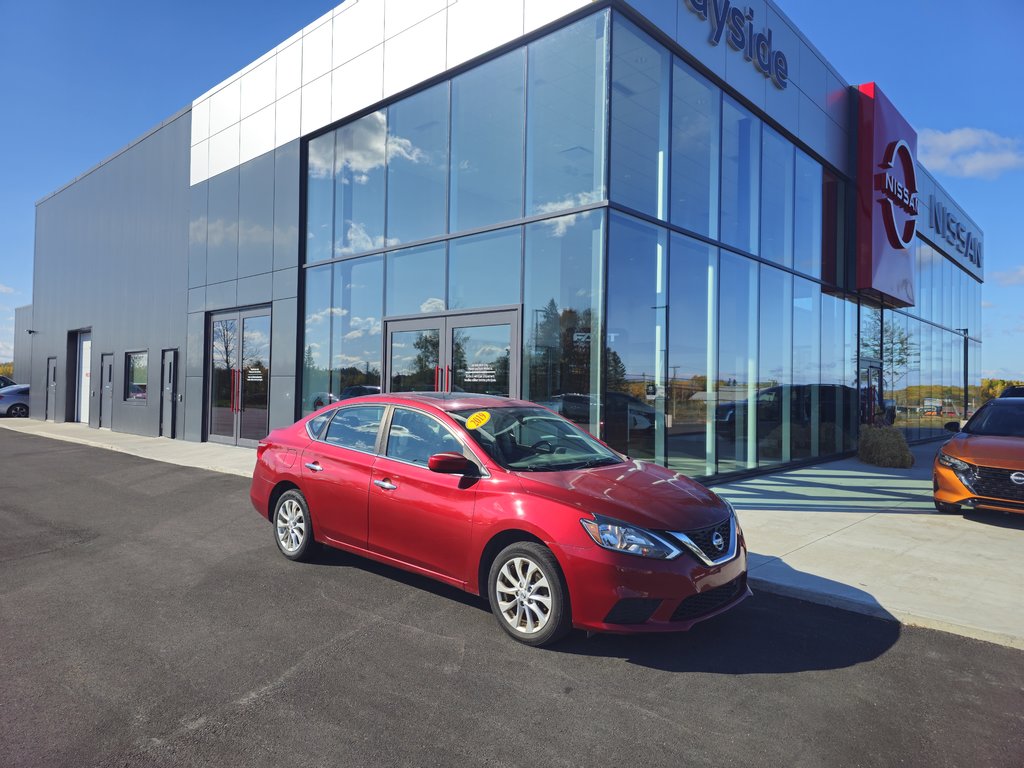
pixel 523 595
pixel 291 526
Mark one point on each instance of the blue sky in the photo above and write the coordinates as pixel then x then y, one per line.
pixel 82 80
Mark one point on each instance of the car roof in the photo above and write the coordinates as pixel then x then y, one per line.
pixel 445 401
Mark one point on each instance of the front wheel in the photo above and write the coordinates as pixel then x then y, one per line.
pixel 293 530
pixel 528 595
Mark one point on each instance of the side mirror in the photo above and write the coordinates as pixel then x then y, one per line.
pixel 952 426
pixel 451 464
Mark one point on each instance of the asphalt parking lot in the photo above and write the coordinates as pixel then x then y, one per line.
pixel 146 619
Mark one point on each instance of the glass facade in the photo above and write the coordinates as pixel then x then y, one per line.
pixel 677 265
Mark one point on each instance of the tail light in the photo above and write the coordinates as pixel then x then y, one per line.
pixel 261 449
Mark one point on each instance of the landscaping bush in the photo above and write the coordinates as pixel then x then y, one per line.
pixel 884 446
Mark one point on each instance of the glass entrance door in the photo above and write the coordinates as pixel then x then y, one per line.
pixel 239 365
pixel 476 353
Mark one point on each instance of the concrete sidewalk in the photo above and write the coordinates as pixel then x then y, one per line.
pixel 840 533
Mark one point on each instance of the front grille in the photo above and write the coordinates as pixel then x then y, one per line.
pixel 703 539
pixel 711 600
pixel 996 483
pixel 632 610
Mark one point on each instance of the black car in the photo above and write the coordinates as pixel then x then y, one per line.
pixel 1014 391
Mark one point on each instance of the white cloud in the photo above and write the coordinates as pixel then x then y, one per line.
pixel 6 288
pixel 986 304
pixel 970 152
pixel 1013 277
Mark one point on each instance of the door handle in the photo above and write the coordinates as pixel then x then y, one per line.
pixel 448 380
pixel 437 376
pixel 314 466
pixel 387 485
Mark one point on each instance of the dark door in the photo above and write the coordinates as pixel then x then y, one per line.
pixel 418 516
pixel 106 389
pixel 169 391
pixel 51 387
pixel 476 353
pixel 239 384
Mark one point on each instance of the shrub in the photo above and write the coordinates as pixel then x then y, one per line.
pixel 884 446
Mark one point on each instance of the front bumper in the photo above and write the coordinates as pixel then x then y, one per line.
pixel 624 594
pixel 950 488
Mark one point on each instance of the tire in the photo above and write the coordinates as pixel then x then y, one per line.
pixel 528 596
pixel 18 411
pixel 293 529
pixel 947 509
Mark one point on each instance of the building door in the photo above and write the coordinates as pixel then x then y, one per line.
pixel 476 353
pixel 51 388
pixel 106 389
pixel 84 389
pixel 239 376
pixel 870 385
pixel 168 392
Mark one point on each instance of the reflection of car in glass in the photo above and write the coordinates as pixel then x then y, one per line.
pixel 137 391
pixel 358 390
pixel 504 499
pixel 982 466
pixel 14 400
pixel 317 400
pixel 576 408
pixel 833 400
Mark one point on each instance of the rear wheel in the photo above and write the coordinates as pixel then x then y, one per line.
pixel 18 410
pixel 528 595
pixel 947 509
pixel 293 530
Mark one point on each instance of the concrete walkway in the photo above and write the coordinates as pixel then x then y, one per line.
pixel 841 533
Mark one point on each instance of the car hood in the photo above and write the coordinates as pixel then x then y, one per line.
pixel 1004 452
pixel 634 492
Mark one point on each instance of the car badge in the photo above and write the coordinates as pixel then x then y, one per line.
pixel 1017 478
pixel 719 542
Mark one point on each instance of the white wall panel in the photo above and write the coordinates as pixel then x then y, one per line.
pixel 224 150
pixel 358 27
pixel 288 118
pixel 316 104
pixel 289 69
pixel 200 163
pixel 225 107
pixel 317 50
pixel 256 134
pixel 400 15
pixel 259 87
pixel 415 55
pixel 200 121
pixel 357 84
pixel 477 26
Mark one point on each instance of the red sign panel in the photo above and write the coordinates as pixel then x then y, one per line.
pixel 887 204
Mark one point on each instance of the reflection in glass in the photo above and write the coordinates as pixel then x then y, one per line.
pixel 692 288
pixel 741 144
pixel 316 343
pixel 639 124
pixel 562 316
pixel 416 280
pixel 480 359
pixel 222 230
pixel 695 140
pixel 565 131
pixel 414 363
pixel 359 185
pixel 417 155
pixel 806 369
pixel 737 363
pixel 775 367
pixel 835 392
pixel 320 199
pixel 777 199
pixel 223 354
pixel 488 125
pixel 808 216
pixel 634 401
pixel 485 270
pixel 254 378
pixel 357 311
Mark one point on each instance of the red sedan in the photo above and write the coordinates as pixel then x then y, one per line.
pixel 508 500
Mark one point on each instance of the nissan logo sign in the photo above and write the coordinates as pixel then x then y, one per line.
pixel 719 542
pixel 1017 478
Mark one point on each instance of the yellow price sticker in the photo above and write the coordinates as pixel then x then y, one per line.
pixel 477 420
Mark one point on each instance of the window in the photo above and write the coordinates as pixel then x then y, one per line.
pixel 695 132
pixel 414 437
pixel 741 144
pixel 136 376
pixel 355 428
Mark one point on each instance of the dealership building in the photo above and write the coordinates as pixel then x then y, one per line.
pixel 672 221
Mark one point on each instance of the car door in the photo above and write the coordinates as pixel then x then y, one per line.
pixel 420 517
pixel 336 470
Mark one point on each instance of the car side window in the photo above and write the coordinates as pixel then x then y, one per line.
pixel 415 437
pixel 355 427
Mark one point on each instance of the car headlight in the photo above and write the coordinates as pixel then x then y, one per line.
pixel 628 539
pixel 953 463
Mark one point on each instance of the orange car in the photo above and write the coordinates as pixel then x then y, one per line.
pixel 982 466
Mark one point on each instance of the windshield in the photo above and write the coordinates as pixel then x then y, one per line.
pixel 528 439
pixel 998 419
